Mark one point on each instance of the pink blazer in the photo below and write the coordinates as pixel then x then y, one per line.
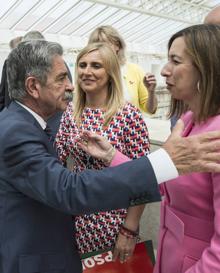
pixel 189 238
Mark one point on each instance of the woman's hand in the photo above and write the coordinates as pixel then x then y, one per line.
pixel 124 248
pixel 150 82
pixel 96 146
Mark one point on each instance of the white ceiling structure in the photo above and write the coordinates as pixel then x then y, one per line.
pixel 146 25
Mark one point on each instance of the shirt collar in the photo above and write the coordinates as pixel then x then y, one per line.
pixel 39 119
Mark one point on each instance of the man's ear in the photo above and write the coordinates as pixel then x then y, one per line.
pixel 33 87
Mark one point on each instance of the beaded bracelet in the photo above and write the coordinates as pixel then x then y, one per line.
pixel 128 233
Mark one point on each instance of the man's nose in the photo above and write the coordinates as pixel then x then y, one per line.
pixel 69 86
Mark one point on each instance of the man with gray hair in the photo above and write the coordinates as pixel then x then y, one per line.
pixel 38 195
pixel 5 100
pixel 54 121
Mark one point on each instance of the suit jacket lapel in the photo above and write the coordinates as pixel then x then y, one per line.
pixel 28 117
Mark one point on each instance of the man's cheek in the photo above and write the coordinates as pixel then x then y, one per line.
pixel 63 105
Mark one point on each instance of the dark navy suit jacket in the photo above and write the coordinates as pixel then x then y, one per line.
pixel 38 196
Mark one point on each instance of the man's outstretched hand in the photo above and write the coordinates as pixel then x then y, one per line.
pixel 197 153
pixel 96 146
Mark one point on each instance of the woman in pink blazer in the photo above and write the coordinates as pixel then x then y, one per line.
pixel 189 240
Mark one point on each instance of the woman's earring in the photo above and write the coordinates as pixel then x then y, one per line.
pixel 198 87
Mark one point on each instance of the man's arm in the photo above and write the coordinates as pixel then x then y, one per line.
pixel 186 154
pixel 31 169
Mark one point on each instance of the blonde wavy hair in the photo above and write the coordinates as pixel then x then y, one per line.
pixel 115 98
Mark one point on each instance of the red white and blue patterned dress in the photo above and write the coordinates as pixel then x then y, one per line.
pixel 128 133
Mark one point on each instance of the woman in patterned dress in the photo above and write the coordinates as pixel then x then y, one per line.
pixel 99 107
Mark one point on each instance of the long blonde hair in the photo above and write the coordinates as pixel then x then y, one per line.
pixel 115 98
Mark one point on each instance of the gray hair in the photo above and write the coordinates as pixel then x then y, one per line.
pixel 33 35
pixel 30 58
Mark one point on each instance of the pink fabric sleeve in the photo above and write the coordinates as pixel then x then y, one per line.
pixel 118 159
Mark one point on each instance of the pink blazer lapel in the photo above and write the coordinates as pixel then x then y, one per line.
pixel 188 121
